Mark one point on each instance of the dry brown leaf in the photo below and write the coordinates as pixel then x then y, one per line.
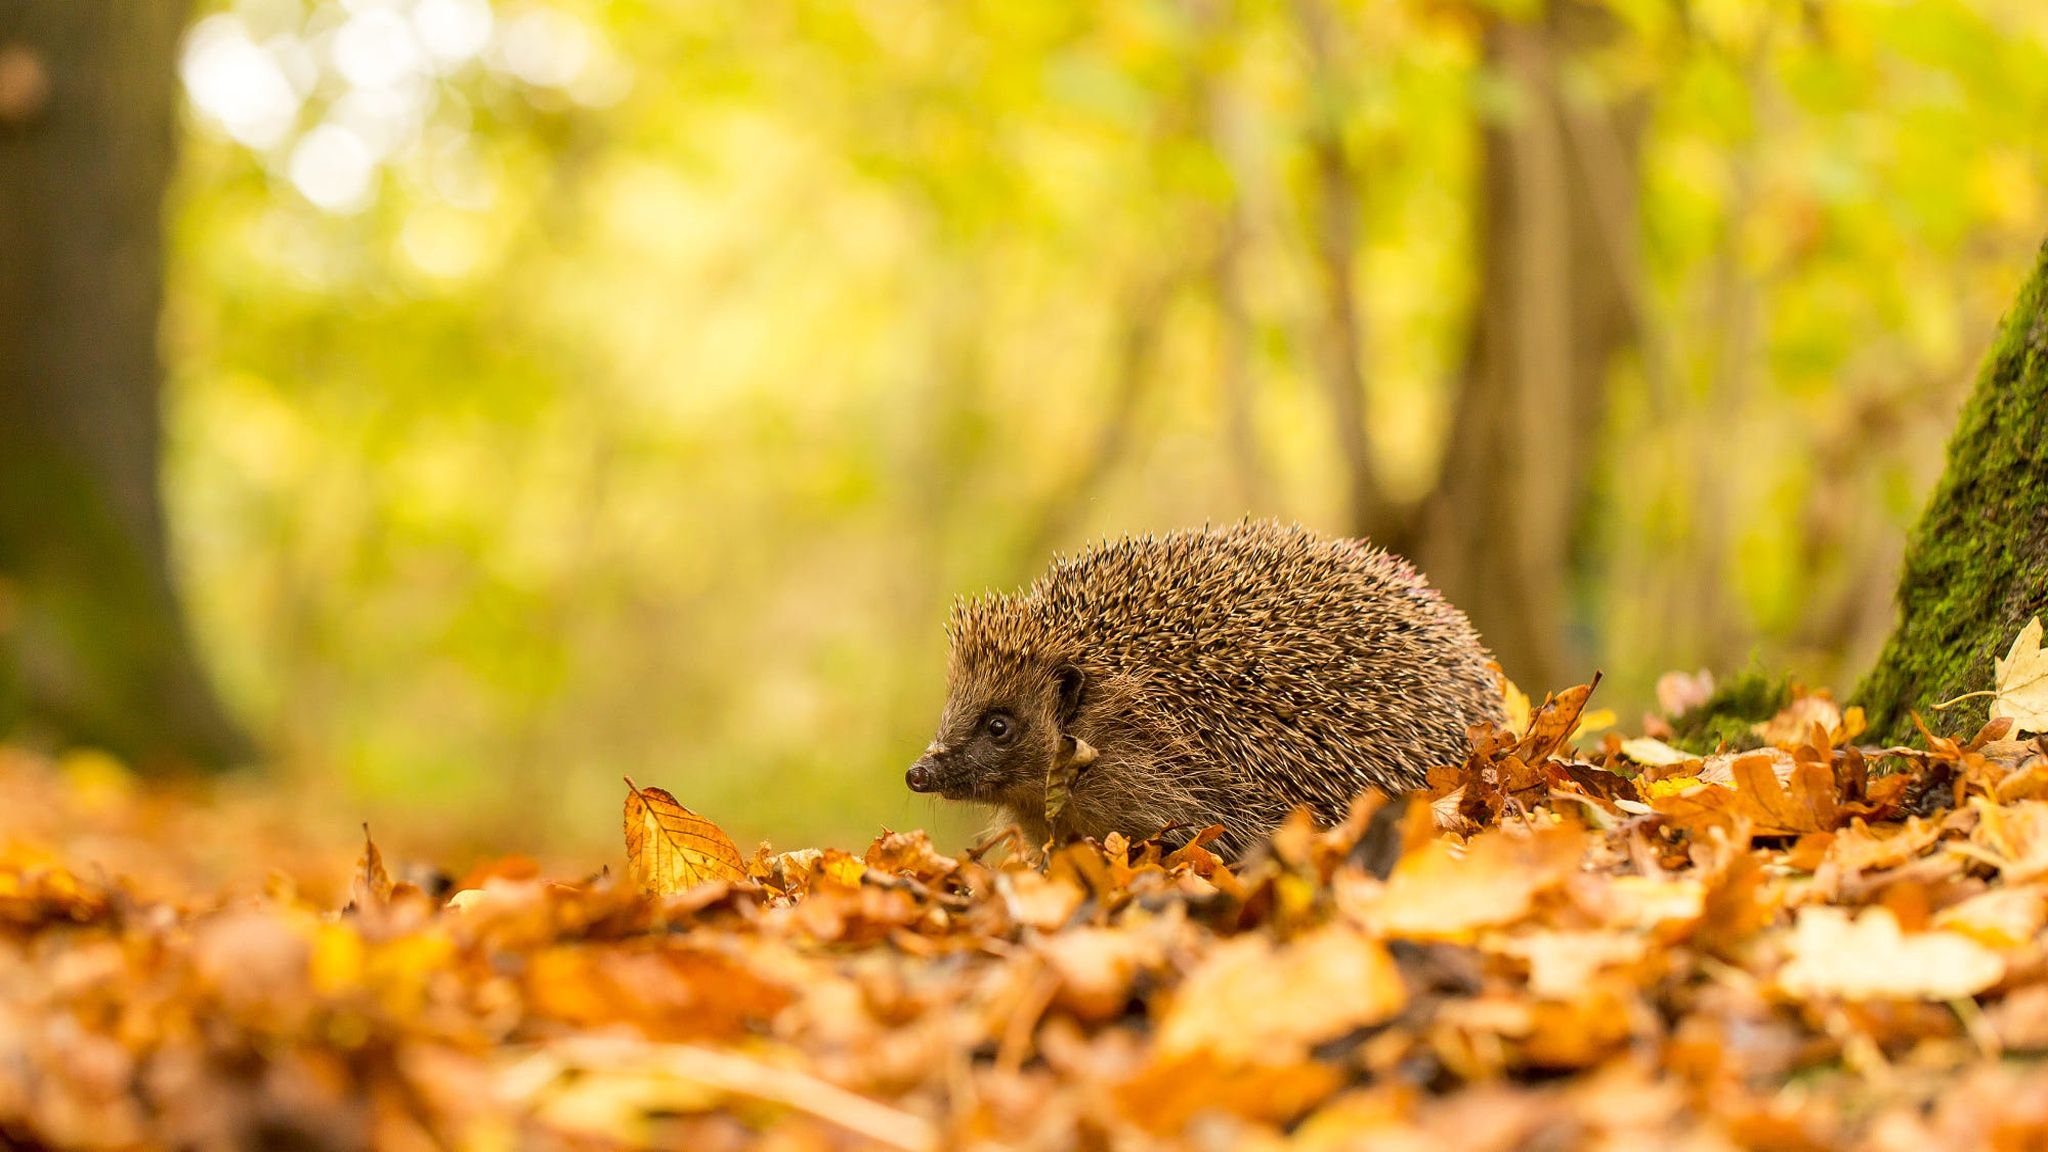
pixel 1074 758
pixel 670 849
pixel 1804 803
pixel 1555 722
pixel 371 885
pixel 1097 967
pixel 1862 848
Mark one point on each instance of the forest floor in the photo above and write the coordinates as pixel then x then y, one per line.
pixel 1585 942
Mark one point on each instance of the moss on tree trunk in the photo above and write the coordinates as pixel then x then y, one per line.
pixel 1977 566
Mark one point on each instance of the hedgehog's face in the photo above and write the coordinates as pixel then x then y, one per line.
pixel 996 739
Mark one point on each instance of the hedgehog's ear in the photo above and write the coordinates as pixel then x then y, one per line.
pixel 1069 682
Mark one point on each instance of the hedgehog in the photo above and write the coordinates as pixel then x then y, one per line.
pixel 1213 676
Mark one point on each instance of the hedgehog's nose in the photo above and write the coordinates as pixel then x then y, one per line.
pixel 922 777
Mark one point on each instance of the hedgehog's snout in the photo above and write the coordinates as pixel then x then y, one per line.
pixel 929 773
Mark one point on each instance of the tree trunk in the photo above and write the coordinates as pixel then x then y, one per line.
pixel 1504 529
pixel 90 631
pixel 1977 566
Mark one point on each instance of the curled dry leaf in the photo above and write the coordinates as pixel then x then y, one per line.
pixel 671 849
pixel 1075 756
pixel 371 884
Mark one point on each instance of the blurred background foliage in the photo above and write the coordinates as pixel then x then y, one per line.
pixel 566 389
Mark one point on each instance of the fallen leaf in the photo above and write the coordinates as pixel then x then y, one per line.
pixel 1515 704
pixel 1803 802
pixel 372 883
pixel 1252 998
pixel 1442 892
pixel 670 849
pixel 1869 958
pixel 1654 753
pixel 2021 681
pixel 1563 964
pixel 2003 918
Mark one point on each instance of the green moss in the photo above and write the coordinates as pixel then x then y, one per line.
pixel 1977 566
pixel 1745 699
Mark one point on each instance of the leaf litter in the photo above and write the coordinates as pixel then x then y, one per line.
pixel 1811 945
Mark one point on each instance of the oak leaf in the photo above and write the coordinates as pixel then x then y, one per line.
pixel 671 849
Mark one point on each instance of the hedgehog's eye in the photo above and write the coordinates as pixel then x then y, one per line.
pixel 999 727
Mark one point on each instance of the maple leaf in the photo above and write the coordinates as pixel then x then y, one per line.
pixel 671 849
pixel 2022 682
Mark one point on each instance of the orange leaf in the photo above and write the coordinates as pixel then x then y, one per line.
pixel 1555 721
pixel 671 849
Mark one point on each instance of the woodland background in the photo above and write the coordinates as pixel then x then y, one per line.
pixel 552 391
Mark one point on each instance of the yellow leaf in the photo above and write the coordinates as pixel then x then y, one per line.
pixel 2000 918
pixel 671 849
pixel 1252 998
pixel 1672 786
pixel 1656 753
pixel 1599 719
pixel 2022 682
pixel 1519 710
pixel 336 964
pixel 1870 959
